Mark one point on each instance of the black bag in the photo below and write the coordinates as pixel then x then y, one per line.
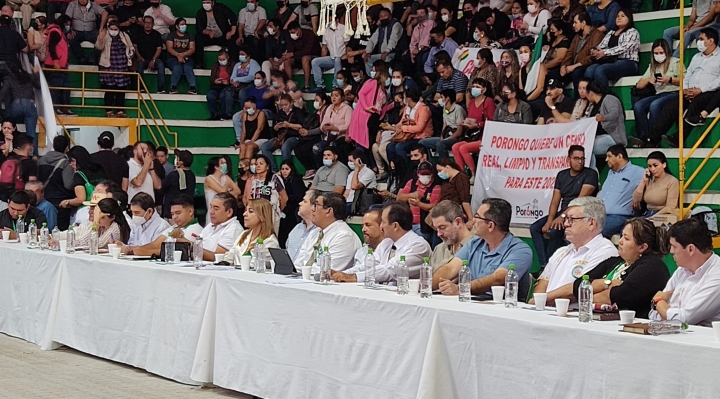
pixel 184 247
pixel 647 91
pixel 363 200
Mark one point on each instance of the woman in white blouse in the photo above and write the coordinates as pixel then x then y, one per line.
pixel 618 53
pixel 534 22
pixel 258 219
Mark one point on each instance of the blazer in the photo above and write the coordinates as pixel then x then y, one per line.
pixel 583 56
pixel 224 17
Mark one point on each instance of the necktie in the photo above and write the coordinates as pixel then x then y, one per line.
pixel 316 246
pixel 392 253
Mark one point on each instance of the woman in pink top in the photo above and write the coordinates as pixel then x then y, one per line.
pixel 334 124
pixel 370 108
pixel 480 108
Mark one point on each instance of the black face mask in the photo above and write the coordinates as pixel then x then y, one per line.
pixel 468 15
pixel 384 22
pixel 280 4
pixel 305 4
pixel 155 5
pixel 504 98
pixel 415 163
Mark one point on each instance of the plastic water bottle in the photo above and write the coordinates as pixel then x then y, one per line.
pixel 667 327
pixel 511 287
pixel 198 252
pixel 426 279
pixel 369 269
pixel 325 267
pixel 403 277
pixel 93 241
pixel 70 240
pixel 44 237
pixel 169 249
pixel 32 234
pixel 260 256
pixel 585 300
pixel 464 279
pixel 55 244
pixel 20 225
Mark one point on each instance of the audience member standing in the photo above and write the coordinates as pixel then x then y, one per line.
pixel 141 172
pixel 180 181
pixel 115 166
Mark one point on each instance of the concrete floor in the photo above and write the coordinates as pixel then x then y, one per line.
pixel 28 372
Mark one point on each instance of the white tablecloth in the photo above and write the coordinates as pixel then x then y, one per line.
pixel 234 329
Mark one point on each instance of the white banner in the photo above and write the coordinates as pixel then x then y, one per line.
pixel 519 163
pixel 43 101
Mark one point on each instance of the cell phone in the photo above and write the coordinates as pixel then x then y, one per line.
pixel 658 75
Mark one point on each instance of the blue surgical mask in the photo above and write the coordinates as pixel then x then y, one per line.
pixel 372 74
pixel 250 111
pixel 222 63
pixel 341 82
pixel 475 91
pixel 275 84
pixel 476 37
pixel 252 169
pixel 357 79
pixel 242 58
pixel 327 162
pixel 441 103
pixel 182 28
pixel 443 175
pixel 388 81
pixel 354 105
pixel 351 165
pixel 223 168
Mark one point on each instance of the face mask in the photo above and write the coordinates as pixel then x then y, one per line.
pixel 532 8
pixel 242 58
pixel 182 28
pixel 250 111
pixel 351 165
pixel 443 175
pixel 275 84
pixel 525 58
pixel 354 105
pixel 223 168
pixel 415 163
pixel 388 81
pixel 222 63
pixel 476 37
pixel 468 14
pixel 475 91
pixel 431 16
pixel 445 17
pixel 504 98
pixel 155 5
pixel 114 33
pixel 67 28
pixel 280 4
pixel 294 36
pixel 420 18
pixel 251 7
pixel 396 82
pixel 516 16
pixel 390 71
pixel 271 31
pixel 660 58
pixel 316 104
pixel 372 74
pixel 252 169
pixel 441 103
pixel 384 22
pixel 207 7
pixel 701 46
pixel 341 82
pixel 258 82
pixel 327 162
pixel 424 180
pixel 305 4
pixel 357 79
pixel 139 220
pixel 405 101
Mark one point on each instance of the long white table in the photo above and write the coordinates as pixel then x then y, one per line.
pixel 236 330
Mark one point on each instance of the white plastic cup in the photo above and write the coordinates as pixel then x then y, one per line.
pixel 111 246
pixel 219 258
pixel 307 272
pixel 498 291
pixel 628 317
pixel 115 252
pixel 245 262
pixel 561 306
pixel 6 235
pixel 540 299
pixel 23 238
pixel 177 256
pixel 63 246
pixel 716 330
pixel 415 287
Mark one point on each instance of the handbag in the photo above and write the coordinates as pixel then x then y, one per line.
pixel 363 200
pixel 647 91
pixel 89 188
pixel 280 139
pixel 608 59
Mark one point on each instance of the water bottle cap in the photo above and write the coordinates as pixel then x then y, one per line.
pixel 70 228
pixel 511 267
pixel 465 263
pixel 94 228
pixel 325 249
pixel 32 220
pixel 44 224
pixel 402 258
pixel 426 259
pixel 260 241
pixel 586 277
pixel 370 251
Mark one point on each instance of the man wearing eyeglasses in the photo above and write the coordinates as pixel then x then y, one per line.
pixel 576 181
pixel 584 220
pixel 489 255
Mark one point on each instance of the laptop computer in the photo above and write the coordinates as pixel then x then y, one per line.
pixel 283 264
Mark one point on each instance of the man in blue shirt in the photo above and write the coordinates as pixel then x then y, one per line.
pixel 38 189
pixel 490 254
pixel 618 188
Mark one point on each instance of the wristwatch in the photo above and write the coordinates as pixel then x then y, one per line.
pixel 607 283
pixel 553 108
pixel 654 302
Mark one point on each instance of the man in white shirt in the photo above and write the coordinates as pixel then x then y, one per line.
pixel 184 229
pixel 163 17
pixel 584 220
pixel 147 224
pixel 305 230
pixel 333 48
pixel 399 241
pixel 251 22
pixel 141 172
pixel 360 177
pixel 372 236
pixel 341 240
pixel 693 293
pixel 220 234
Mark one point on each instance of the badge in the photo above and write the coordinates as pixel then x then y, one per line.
pixel 577 271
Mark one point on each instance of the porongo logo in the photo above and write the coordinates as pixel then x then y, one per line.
pixel 529 210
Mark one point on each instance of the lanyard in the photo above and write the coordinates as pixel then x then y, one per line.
pixel 610 275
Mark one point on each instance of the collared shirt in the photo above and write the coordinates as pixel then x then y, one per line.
pixel 483 262
pixel 703 72
pixel 251 19
pixel 342 242
pixel 336 41
pixel 618 189
pixel 297 238
pixel 327 178
pixel 84 19
pixel 148 231
pixel 159 24
pixel 188 231
pixel 387 256
pixel 696 297
pixel 443 253
pixel 458 82
pixel 448 45
pixel 50 213
pixel 569 263
pixel 221 235
pixel 421 35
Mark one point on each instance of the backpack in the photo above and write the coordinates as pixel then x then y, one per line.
pixel 11 175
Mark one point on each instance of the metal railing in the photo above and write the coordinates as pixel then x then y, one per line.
pixel 147 111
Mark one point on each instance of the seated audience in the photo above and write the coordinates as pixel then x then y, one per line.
pixel 581 102
pixel 38 189
pixel 415 125
pixel 453 116
pixel 332 176
pixel 422 193
pixel 302 47
pixel 307 15
pixel 481 108
pixel 221 90
pixel 243 74
pixel 658 190
pixel 489 254
pixel 387 130
pixel 334 47
pixel 617 189
pixel 450 78
pixel 334 125
pixel 264 101
pixel 360 179
pixel 534 23
pixel 603 14
pixel 608 110
pixel 267 186
pixel 382 43
pixel 509 71
pixel 691 295
pixel 223 228
pixel 23 164
pixel 295 189
pixel 84 16
pixel 576 181
pixel 584 220
pixel 148 225
pixel 631 279
pixel 287 124
pixel 512 109
pixel 185 226
pixel 252 21
pixel 310 135
pixel 251 130
pixel 215 24
pixel 558 44
pixel 439 41
pixel 400 240
pixel 448 221
pixel 180 181
pixel 258 220
pixel 163 17
pixel 567 9
pixel 181 47
pixel 305 230
pixel 557 107
pixel 618 53
pixel 281 84
pixel 455 186
pixel 703 15
pixel 110 225
pixel 578 58
pixel 19 205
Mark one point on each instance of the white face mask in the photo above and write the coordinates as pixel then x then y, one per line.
pixel 524 58
pixel 294 36
pixel 445 18
pixel 270 31
pixel 701 46
pixel 139 220
pixel 660 58
pixel 532 8
pixel 396 82
pixel 207 7
pixel 114 33
pixel 424 180
pixel 316 104
pixel 258 82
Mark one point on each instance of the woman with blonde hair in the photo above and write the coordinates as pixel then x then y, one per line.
pixel 258 219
